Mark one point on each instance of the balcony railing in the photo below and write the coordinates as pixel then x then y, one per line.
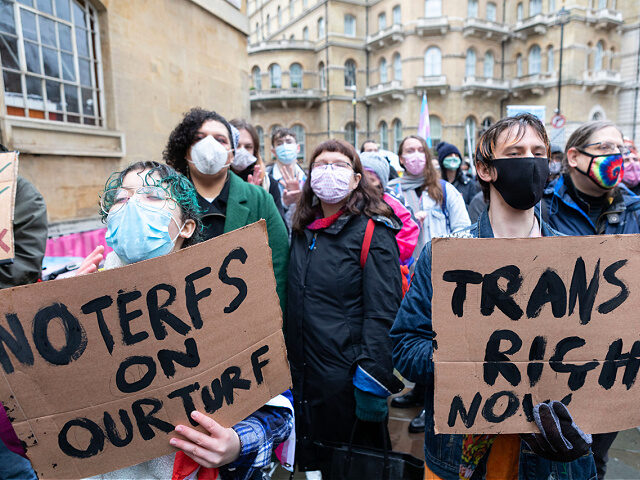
pixel 385 37
pixel 433 83
pixel 484 28
pixel 284 94
pixel 281 45
pixel 535 83
pixel 536 24
pixel 602 80
pixel 432 26
pixel 391 89
pixel 604 18
pixel 484 83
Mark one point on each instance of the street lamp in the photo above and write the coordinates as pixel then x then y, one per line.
pixel 563 19
pixel 354 102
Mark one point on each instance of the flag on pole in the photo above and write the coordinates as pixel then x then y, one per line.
pixel 424 129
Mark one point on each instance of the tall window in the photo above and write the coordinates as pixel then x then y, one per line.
pixel 432 62
pixel 302 140
pixel 469 135
pixel 260 133
pixel 397 134
pixel 470 63
pixel 397 67
pixel 602 3
pixel 491 12
pixel 472 9
pixel 432 8
pixel 350 133
pixel 323 76
pixel 534 60
pixel 268 24
pixel 320 28
pixel 275 76
pixel 305 33
pixel 350 25
pixel 257 31
pixel 519 65
pixel 550 62
pixel 520 12
pixel 384 74
pixel 257 78
pixel 384 136
pixel 58 77
pixel 487 65
pixel 382 21
pixel 349 73
pixel 535 7
pixel 397 15
pixel 305 4
pixel 291 9
pixel 435 125
pixel 279 17
pixel 295 75
pixel 552 6
pixel 599 57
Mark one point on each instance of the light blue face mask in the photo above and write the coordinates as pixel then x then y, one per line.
pixel 287 152
pixel 137 232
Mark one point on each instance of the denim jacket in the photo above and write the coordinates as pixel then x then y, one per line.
pixel 412 337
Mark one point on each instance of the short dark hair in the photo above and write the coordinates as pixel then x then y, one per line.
pixel 487 144
pixel 184 136
pixel 282 132
pixel 368 140
pixel 242 124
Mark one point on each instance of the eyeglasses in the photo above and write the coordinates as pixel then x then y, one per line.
pixel 151 196
pixel 322 163
pixel 608 148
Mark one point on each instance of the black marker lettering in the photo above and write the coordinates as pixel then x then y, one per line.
pixel 579 291
pixel 615 359
pixel 97 305
pixel 236 254
pixel 126 317
pixel 468 417
pixel 143 382
pixel 258 364
pixel 496 360
pixel 493 296
pixel 609 275
pixel 461 279
pixel 188 359
pixel 112 430
pixel 212 404
pixel 96 444
pixel 512 407
pixel 187 402
pixel 159 313
pixel 231 379
pixel 577 373
pixel 536 352
pixel 75 338
pixel 16 341
pixel 549 289
pixel 192 298
pixel 146 420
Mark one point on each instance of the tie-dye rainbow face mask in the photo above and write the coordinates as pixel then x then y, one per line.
pixel 605 171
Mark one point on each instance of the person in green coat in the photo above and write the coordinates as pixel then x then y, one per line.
pixel 202 147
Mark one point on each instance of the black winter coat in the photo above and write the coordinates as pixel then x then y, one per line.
pixel 338 317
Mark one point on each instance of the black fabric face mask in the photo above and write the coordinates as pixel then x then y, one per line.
pixel 521 181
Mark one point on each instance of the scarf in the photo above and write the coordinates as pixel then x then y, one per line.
pixel 321 223
pixel 410 182
pixel 474 448
pixel 184 468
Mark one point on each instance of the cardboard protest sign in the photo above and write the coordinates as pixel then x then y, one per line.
pixel 98 369
pixel 8 177
pixel 522 321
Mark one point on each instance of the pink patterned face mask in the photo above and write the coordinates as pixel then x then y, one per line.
pixel 631 176
pixel 330 183
pixel 414 162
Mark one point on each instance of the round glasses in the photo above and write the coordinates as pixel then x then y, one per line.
pixel 339 164
pixel 152 197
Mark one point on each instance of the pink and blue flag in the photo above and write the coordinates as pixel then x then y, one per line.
pixel 424 129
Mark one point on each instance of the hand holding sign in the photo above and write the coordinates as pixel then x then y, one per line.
pixel 91 263
pixel 219 446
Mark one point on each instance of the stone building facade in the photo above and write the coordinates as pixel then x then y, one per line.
pixel 471 57
pixel 91 86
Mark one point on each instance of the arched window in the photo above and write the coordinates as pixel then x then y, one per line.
pixel 435 125
pixel 257 31
pixel 260 133
pixel 519 65
pixel 279 17
pixel 350 133
pixel 535 63
pixel 397 134
pixel 268 24
pixel 612 55
pixel 520 12
pixel 432 62
pixel 275 76
pixel 469 135
pixel 535 7
pixel 61 77
pixel 472 8
pixel 349 73
pixel 397 67
pixel 492 14
pixel 486 123
pixel 350 25
pixel 382 21
pixel 602 4
pixel 433 8
pixel 384 74
pixel 323 76
pixel 470 63
pixel 599 57
pixel 397 15
pixel 295 75
pixel 487 66
pixel 320 28
pixel 384 135
pixel 257 78
pixel 305 33
pixel 302 140
pixel 550 59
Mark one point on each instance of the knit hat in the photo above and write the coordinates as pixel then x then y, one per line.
pixel 378 164
pixel 555 148
pixel 235 136
pixel 445 149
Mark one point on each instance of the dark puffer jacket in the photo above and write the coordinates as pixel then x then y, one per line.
pixel 339 317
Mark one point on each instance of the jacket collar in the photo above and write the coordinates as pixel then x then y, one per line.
pixel 483 227
pixel 237 204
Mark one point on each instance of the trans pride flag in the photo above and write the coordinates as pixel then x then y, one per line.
pixel 424 130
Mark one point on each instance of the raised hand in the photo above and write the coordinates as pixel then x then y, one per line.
pixel 292 190
pixel 254 177
pixel 91 263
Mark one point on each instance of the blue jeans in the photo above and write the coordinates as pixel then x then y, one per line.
pixel 14 466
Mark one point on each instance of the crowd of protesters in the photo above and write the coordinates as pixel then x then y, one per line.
pixel 350 244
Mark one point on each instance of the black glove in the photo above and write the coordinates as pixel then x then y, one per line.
pixel 560 439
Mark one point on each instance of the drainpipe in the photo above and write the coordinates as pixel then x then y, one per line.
pixel 366 104
pixel 637 89
pixel 502 50
pixel 326 57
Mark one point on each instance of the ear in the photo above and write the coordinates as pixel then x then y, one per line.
pixel 298 149
pixel 357 177
pixel 189 229
pixel 572 157
pixel 486 172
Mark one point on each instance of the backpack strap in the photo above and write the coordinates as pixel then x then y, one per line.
pixel 443 184
pixel 366 242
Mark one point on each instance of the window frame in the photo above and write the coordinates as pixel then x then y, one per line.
pixel 432 8
pixel 396 14
pixel 297 74
pixel 348 71
pixel 384 135
pixel 472 8
pixel 492 7
pixel 397 67
pixel 470 63
pixel 427 63
pixel 534 64
pixel 349 24
pixel 382 21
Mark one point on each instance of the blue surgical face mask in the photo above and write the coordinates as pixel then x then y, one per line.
pixel 137 232
pixel 287 152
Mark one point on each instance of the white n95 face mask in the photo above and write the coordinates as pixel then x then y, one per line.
pixel 242 159
pixel 209 156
